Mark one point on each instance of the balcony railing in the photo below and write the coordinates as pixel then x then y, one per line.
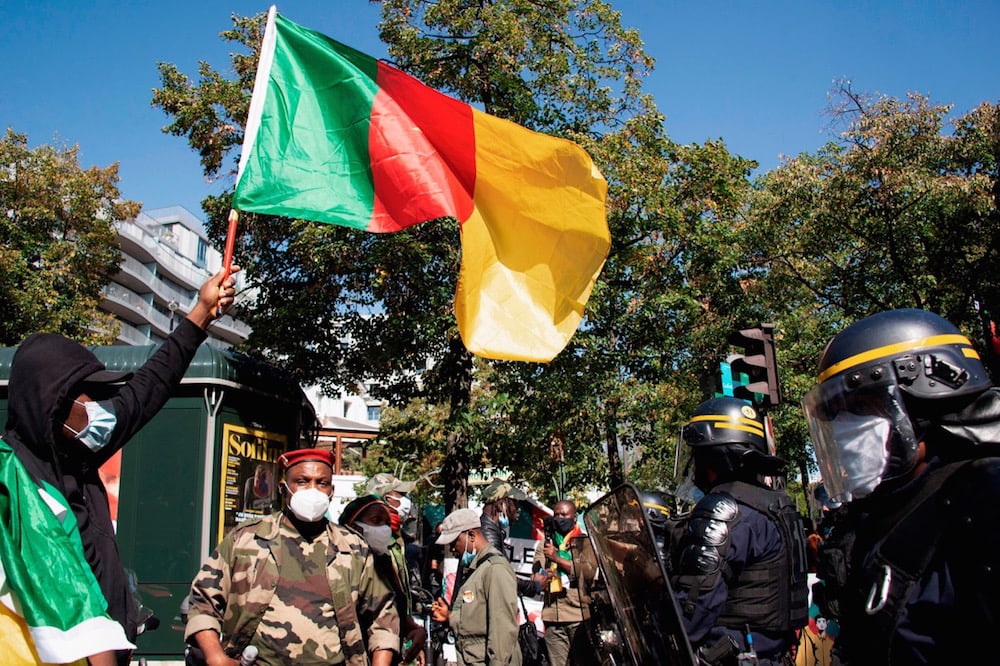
pixel 165 256
pixel 164 290
pixel 130 335
pixel 137 304
pixel 181 271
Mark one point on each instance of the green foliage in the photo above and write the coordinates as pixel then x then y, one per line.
pixel 900 212
pixel 560 66
pixel 58 244
pixel 375 308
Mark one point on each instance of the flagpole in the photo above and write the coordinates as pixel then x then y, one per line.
pixel 250 133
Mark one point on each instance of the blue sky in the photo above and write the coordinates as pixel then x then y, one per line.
pixel 755 74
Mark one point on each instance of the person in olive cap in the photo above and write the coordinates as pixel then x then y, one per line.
pixel 483 613
pixel 905 422
pixel 396 493
pixel 396 496
pixel 294 585
pixel 68 415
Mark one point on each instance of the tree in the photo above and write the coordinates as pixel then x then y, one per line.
pixel 58 245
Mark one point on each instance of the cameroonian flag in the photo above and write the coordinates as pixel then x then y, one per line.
pixel 335 136
pixel 51 606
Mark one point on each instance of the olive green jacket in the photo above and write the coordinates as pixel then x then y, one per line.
pixel 484 613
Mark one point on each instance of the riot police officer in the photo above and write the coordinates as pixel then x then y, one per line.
pixel 903 420
pixel 740 571
pixel 657 511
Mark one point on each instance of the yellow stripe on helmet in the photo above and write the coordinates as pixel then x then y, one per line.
pixel 897 348
pixel 720 421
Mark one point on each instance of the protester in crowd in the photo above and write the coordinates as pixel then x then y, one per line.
pixel 565 605
pixel 500 511
pixel 68 414
pixel 740 569
pixel 483 613
pixel 905 423
pixel 370 515
pixel 299 588
pixel 396 494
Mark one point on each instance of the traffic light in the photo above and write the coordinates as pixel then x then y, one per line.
pixel 756 367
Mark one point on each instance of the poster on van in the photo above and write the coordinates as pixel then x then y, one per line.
pixel 249 475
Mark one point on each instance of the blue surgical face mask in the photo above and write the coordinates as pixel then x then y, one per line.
pixel 503 521
pixel 468 556
pixel 101 422
pixel 863 453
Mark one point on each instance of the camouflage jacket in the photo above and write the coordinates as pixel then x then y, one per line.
pixel 236 585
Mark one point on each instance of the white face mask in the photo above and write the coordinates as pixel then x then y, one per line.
pixel 309 505
pixel 863 453
pixel 378 536
pixel 405 505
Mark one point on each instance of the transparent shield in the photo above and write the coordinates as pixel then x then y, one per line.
pixel 634 586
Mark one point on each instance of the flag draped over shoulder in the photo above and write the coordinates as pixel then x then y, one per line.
pixel 336 136
pixel 51 606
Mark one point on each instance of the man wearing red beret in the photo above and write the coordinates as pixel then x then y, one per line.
pixel 294 585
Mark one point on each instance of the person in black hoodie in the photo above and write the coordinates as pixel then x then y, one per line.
pixel 68 414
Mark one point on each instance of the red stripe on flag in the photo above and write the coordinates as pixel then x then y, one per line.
pixel 423 153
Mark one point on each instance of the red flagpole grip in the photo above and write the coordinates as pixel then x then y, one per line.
pixel 227 257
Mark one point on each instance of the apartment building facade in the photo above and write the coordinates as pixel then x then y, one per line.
pixel 166 258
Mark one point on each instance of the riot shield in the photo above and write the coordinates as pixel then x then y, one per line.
pixel 634 616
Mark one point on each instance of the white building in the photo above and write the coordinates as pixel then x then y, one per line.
pixel 165 260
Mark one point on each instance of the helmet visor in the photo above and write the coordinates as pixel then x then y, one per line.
pixel 862 437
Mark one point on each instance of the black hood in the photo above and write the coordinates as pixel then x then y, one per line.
pixel 45 369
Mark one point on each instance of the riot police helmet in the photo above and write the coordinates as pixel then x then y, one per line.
pixel 881 381
pixel 657 510
pixel 727 436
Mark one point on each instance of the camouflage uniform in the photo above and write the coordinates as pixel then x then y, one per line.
pixel 484 613
pixel 239 594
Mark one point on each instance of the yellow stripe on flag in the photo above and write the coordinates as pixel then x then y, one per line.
pixel 18 648
pixel 534 245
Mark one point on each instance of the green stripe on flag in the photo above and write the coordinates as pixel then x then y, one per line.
pixel 311 151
